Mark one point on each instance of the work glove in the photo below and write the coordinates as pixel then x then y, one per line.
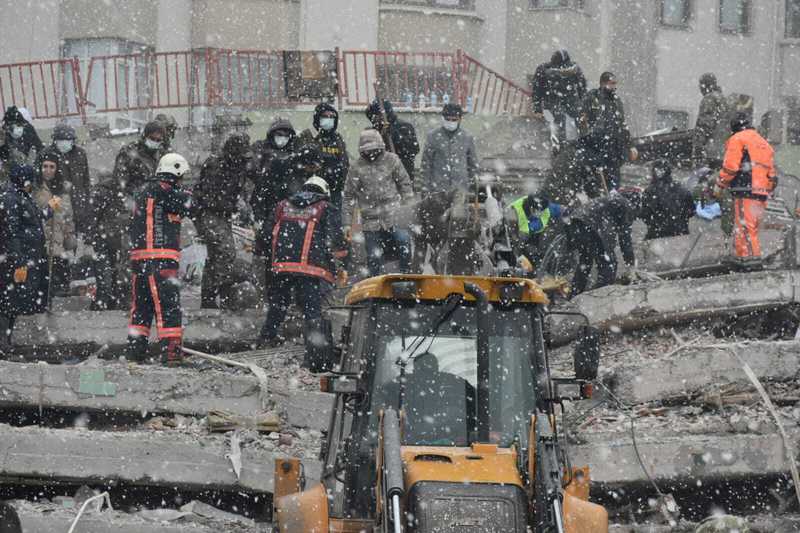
pixel 525 263
pixel 55 203
pixel 716 192
pixel 21 274
pixel 342 278
pixel 348 233
pixel 633 154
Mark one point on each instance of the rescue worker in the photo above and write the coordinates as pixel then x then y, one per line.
pixel 108 236
pixel 136 162
pixel 60 229
pixel 559 86
pixel 530 217
pixel 73 173
pixel 594 231
pixel 666 206
pixel 377 185
pixel 604 135
pixel 216 197
pixel 449 163
pixel 748 171
pixel 23 256
pixel 449 160
pixel 170 126
pixel 276 177
pixel 710 131
pixel 155 236
pixel 398 135
pixel 308 247
pixel 20 139
pixel 335 161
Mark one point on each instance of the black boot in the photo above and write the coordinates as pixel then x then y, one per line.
pixel 137 349
pixel 319 346
pixel 208 296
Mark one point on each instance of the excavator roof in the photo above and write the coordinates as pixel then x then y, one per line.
pixel 438 288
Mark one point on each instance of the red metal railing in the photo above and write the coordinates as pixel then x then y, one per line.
pixel 402 77
pixel 487 92
pixel 256 78
pixel 48 89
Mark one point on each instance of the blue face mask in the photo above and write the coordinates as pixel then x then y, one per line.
pixel 327 123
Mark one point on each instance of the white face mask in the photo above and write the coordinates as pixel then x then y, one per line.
pixel 17 131
pixel 327 123
pixel 281 141
pixel 64 146
pixel 450 125
pixel 151 144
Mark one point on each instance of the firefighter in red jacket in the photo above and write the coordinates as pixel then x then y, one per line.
pixel 748 170
pixel 308 247
pixel 155 238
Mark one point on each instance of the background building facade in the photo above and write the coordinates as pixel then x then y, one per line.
pixel 658 48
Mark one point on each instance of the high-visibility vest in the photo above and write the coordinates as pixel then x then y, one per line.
pixel 523 222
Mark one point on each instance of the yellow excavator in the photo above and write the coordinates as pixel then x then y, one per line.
pixel 444 419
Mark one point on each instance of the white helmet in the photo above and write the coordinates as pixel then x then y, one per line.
pixel 174 164
pixel 319 183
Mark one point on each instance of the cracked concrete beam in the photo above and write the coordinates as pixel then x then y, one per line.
pixel 169 459
pixel 679 376
pixel 111 327
pixel 630 307
pixel 691 458
pixel 153 389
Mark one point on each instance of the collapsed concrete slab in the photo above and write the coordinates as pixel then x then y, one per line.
pixel 169 459
pixel 50 518
pixel 691 458
pixel 110 387
pixel 628 308
pixel 698 370
pixel 111 327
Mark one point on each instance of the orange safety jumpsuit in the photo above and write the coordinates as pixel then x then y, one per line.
pixel 748 170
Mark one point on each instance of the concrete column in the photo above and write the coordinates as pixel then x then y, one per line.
pixel 326 24
pixel 494 33
pixel 633 59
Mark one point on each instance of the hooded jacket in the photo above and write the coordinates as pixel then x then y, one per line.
pixel 666 209
pixel 73 168
pixel 278 174
pixel 22 243
pixel 335 161
pixel 306 237
pixel 60 230
pixel 558 85
pixel 611 217
pixel 402 134
pixel 711 129
pixel 134 165
pixel 221 181
pixel 16 151
pixel 375 187
pixel 603 126
pixel 449 161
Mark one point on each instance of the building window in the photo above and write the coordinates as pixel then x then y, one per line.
pixel 468 5
pixel 667 119
pixel 116 84
pixel 676 13
pixel 734 16
pixel 793 19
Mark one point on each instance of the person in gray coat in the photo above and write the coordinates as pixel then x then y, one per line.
pixel 378 184
pixel 449 160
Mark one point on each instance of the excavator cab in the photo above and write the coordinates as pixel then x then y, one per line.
pixel 444 416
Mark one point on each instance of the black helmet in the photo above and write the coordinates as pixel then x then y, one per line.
pixel 708 83
pixel 661 171
pixel 535 203
pixel 741 122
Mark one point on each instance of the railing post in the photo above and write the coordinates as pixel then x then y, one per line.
pixel 457 68
pixel 81 92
